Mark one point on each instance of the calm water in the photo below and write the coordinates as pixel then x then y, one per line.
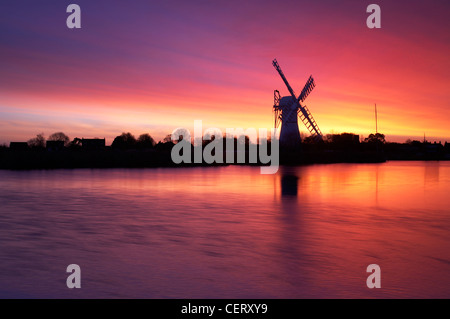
pixel 227 232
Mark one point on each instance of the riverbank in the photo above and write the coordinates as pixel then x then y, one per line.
pixel 110 158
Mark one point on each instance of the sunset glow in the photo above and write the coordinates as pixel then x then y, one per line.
pixel 155 66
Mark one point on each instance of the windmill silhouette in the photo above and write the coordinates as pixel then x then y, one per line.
pixel 288 109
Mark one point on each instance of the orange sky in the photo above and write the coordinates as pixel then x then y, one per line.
pixel 154 67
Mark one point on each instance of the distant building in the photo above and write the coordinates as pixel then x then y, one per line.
pixel 54 145
pixel 433 148
pixel 93 143
pixel 345 139
pixel 18 146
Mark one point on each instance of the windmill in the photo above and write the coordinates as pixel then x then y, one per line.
pixel 288 109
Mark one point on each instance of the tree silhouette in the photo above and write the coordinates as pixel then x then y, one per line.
pixel 167 139
pixel 166 144
pixel 145 141
pixel 37 142
pixel 59 136
pixel 376 138
pixel 124 141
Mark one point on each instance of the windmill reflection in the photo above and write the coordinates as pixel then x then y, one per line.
pixel 286 184
pixel 289 184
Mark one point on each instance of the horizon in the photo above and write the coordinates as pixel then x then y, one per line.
pixel 108 142
pixel 154 67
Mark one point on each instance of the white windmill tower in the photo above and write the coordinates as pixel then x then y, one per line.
pixel 288 109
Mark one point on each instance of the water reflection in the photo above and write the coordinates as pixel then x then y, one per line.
pixel 289 182
pixel 227 232
pixel 377 173
pixel 431 170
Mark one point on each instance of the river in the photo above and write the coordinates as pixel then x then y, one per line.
pixel 227 232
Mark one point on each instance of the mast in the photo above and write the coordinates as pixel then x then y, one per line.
pixel 376 119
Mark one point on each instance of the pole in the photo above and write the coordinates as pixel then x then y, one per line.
pixel 376 119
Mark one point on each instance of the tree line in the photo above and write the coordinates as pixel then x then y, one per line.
pixel 122 141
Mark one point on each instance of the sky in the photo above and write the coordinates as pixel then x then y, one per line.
pixel 154 66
